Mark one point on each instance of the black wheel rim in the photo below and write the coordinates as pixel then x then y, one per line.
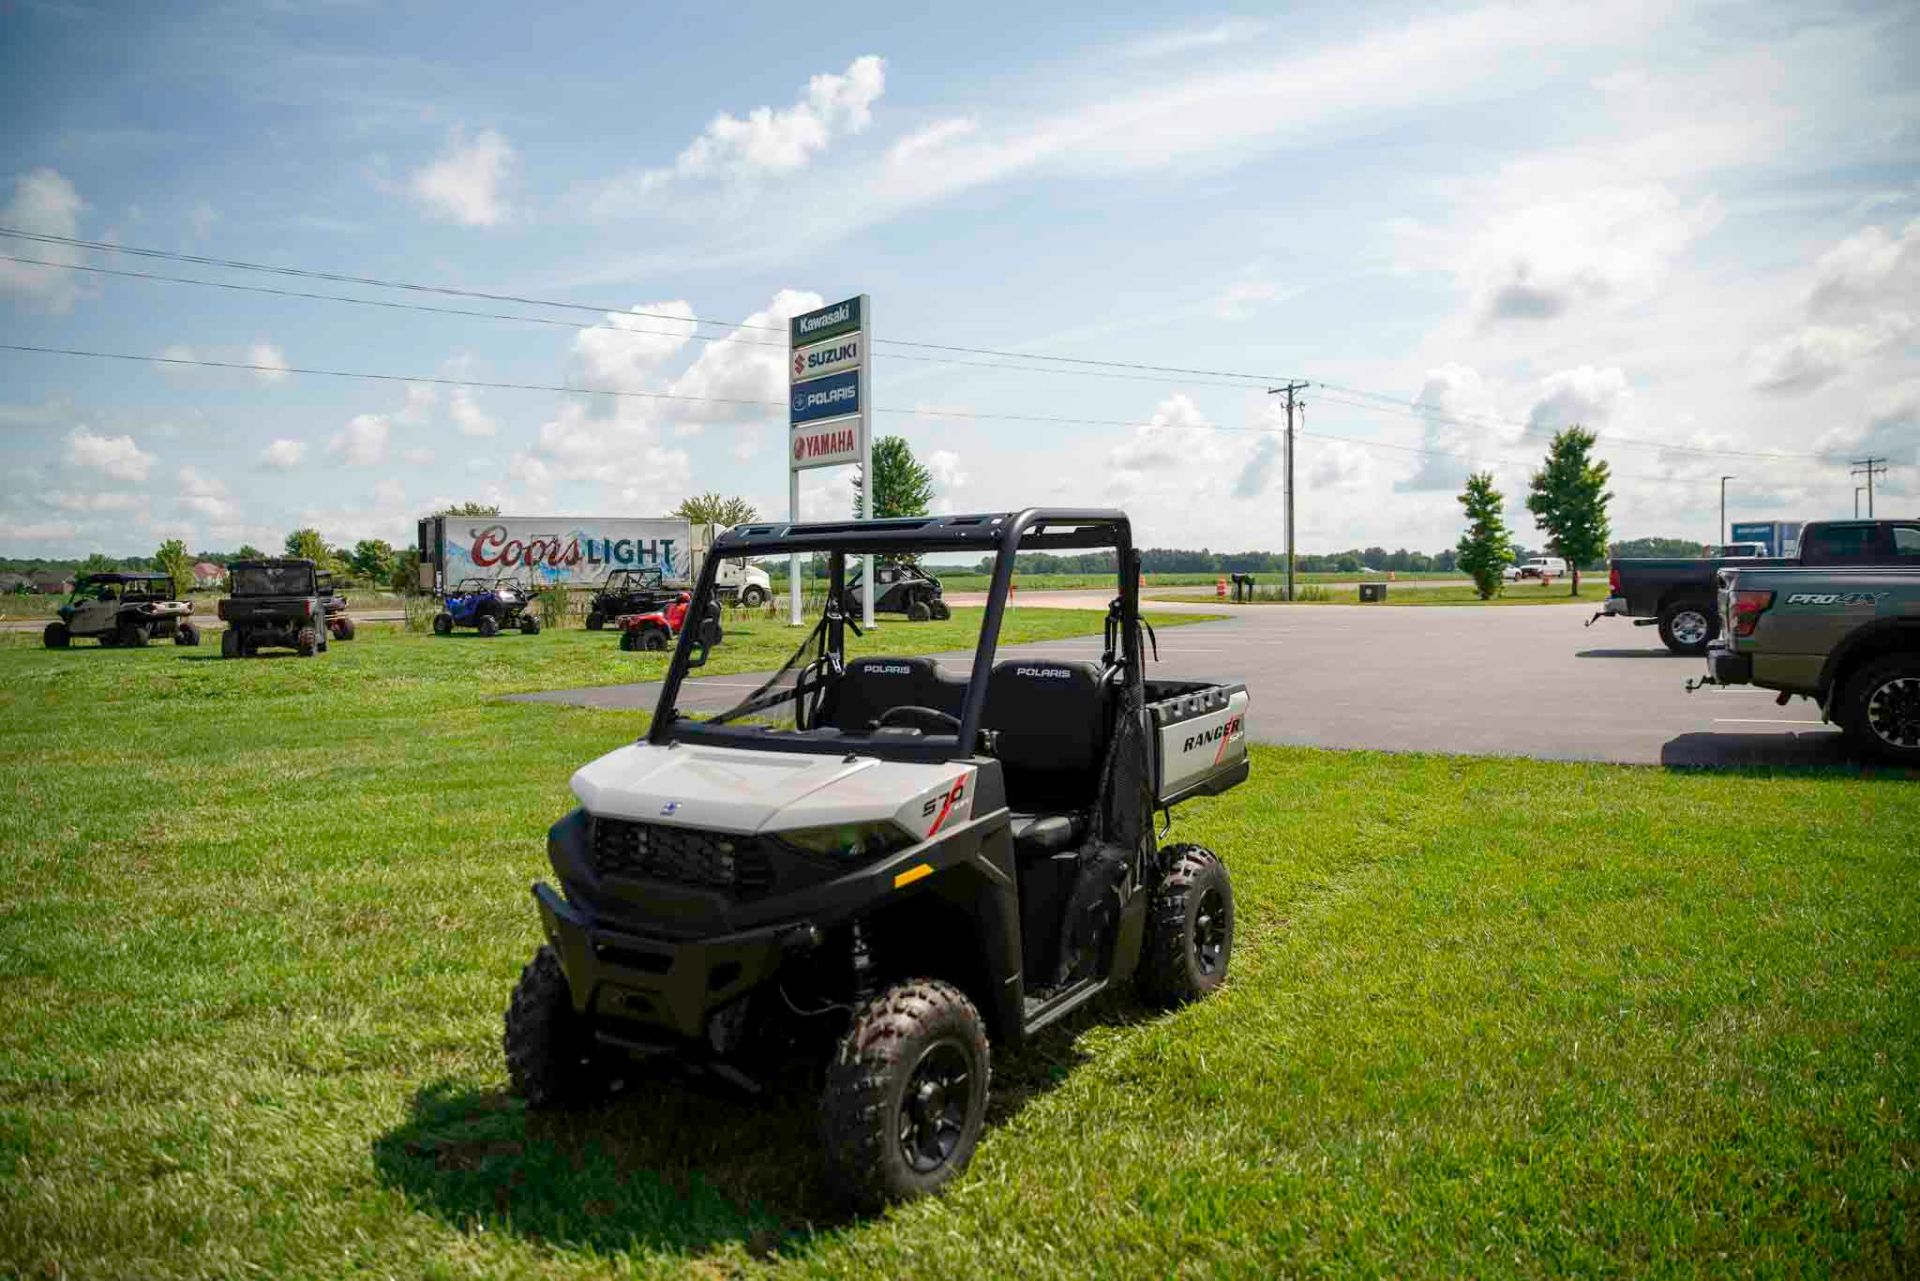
pixel 1893 712
pixel 1210 932
pixel 933 1109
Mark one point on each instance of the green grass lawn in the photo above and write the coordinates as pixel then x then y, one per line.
pixel 258 922
pixel 1512 594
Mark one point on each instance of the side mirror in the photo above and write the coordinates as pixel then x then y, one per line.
pixel 697 657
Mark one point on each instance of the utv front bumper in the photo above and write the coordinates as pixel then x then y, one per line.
pixel 661 985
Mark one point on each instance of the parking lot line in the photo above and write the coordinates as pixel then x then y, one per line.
pixel 1760 720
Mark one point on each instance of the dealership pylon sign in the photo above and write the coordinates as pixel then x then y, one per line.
pixel 828 412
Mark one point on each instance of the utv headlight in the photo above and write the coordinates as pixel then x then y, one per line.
pixel 849 840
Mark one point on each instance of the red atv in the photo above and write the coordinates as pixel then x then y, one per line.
pixel 655 630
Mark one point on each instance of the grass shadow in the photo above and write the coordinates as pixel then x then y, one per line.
pixel 1662 652
pixel 677 1165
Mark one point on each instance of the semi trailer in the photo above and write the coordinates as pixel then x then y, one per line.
pixel 580 552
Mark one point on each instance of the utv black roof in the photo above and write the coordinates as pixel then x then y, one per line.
pixel 122 576
pixel 1036 529
pixel 271 562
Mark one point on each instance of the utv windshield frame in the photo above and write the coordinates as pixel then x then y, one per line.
pixel 1004 534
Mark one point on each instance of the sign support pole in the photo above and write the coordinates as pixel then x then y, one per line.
pixel 830 419
pixel 866 462
pixel 793 560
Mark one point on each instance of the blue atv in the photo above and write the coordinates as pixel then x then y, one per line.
pixel 486 606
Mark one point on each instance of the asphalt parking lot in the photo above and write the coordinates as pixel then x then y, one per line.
pixel 1517 681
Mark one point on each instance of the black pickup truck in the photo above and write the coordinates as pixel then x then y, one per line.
pixel 1680 596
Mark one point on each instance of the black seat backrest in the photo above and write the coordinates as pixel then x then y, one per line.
pixel 871 686
pixel 1052 719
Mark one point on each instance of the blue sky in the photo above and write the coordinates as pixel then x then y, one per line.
pixel 1694 228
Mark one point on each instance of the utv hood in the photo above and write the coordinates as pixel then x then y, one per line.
pixel 729 789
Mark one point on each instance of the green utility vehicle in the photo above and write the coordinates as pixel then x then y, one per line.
pixel 1847 638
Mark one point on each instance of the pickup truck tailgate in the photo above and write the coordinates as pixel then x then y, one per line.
pixel 1200 737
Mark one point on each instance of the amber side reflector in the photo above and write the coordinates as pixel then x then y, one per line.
pixel 912 874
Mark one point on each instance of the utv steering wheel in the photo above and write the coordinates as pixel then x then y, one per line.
pixel 929 718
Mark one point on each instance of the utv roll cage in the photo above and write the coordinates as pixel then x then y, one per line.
pixel 1003 534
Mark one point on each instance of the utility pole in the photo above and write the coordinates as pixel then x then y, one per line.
pixel 1723 506
pixel 1869 466
pixel 1288 391
pixel 1856 500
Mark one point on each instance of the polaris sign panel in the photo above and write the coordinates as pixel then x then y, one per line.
pixel 835 396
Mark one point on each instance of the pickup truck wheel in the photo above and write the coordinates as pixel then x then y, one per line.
pixel 552 1059
pixel 906 1094
pixel 230 643
pixel 1880 709
pixel 443 624
pixel 1189 928
pixel 186 634
pixel 1687 626
pixel 307 642
pixel 56 636
pixel 753 597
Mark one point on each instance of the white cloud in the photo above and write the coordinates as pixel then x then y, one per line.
pixel 97 502
pixel 1219 35
pixel 1243 297
pixel 1863 303
pixel 949 479
pixel 206 496
pixel 1586 396
pixel 418 409
pixel 768 141
pixel 363 441
pixel 468 418
pixel 44 202
pixel 283 454
pixel 935 136
pixel 462 185
pixel 630 348
pixel 201 219
pixel 117 456
pixel 271 362
pixel 1890 429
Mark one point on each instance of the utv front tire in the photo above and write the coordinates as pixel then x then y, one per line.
pixel 230 643
pixel 56 636
pixel 918 612
pixel 343 630
pixel 186 634
pixel 307 642
pixel 443 624
pixel 1687 626
pixel 134 636
pixel 529 626
pixel 552 1058
pixel 1189 928
pixel 489 625
pixel 941 611
pixel 906 1094
pixel 1879 709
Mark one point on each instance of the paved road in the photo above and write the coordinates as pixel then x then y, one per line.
pixel 1526 681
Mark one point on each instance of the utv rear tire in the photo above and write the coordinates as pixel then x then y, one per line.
pixel 1879 709
pixel 344 632
pixel 941 611
pixel 529 626
pixel 230 643
pixel 186 634
pixel 134 637
pixel 1189 928
pixel 56 636
pixel 489 625
pixel 1688 626
pixel 906 1094
pixel 443 624
pixel 552 1059
pixel 918 612
pixel 307 642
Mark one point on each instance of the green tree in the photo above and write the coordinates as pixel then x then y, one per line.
pixel 248 552
pixel 372 560
pixel 711 509
pixel 1569 500
pixel 306 544
pixel 404 576
pixel 1484 549
pixel 96 564
pixel 902 486
pixel 173 561
pixel 470 509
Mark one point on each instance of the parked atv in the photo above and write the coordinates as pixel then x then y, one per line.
pixel 875 870
pixel 899 587
pixel 339 626
pixel 626 592
pixel 656 629
pixel 273 604
pixel 122 609
pixel 487 606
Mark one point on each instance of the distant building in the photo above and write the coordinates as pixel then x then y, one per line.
pixel 14 583
pixel 208 574
pixel 53 584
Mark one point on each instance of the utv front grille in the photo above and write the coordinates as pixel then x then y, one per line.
pixel 735 865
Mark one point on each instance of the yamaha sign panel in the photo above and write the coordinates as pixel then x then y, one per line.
pixel 828 410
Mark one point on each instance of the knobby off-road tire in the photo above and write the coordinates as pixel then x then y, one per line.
pixel 56 636
pixel 529 626
pixel 918 612
pixel 135 636
pixel 230 643
pixel 489 625
pixel 1687 626
pixel 653 640
pixel 443 624
pixel 595 622
pixel 1189 928
pixel 1879 709
pixel 941 611
pixel 552 1059
pixel 344 631
pixel 906 1094
pixel 186 634
pixel 307 642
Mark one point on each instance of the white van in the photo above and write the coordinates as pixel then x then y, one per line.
pixel 1536 567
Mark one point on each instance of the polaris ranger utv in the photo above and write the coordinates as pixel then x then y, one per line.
pixel 123 609
pixel 873 869
pixel 273 604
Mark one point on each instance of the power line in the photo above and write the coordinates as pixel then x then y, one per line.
pixel 970 415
